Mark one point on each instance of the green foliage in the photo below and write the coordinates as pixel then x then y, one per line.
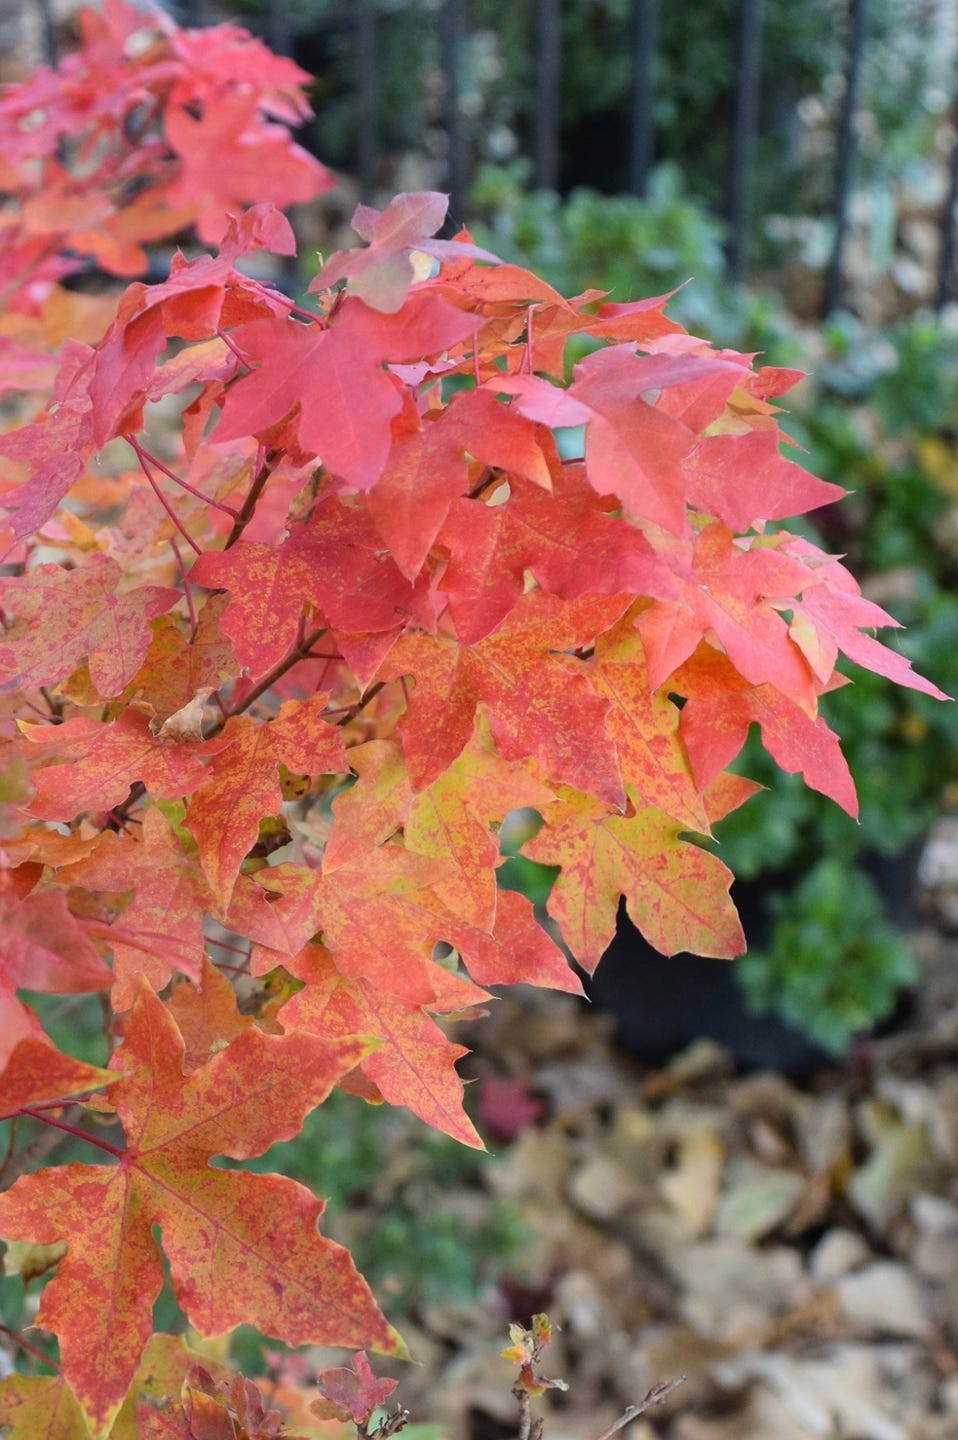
pixel 834 965
pixel 626 247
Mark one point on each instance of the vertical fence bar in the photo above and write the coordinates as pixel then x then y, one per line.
pixel 367 92
pixel 548 51
pixel 453 30
pixel 946 253
pixel 846 150
pixel 48 33
pixel 745 134
pixel 645 29
pixel 279 35
pixel 278 31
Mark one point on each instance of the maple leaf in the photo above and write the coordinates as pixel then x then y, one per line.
pixel 377 915
pixel 242 783
pixel 353 1393
pixel 335 375
pixel 160 929
pixel 567 540
pixel 36 1074
pixel 633 449
pixel 102 761
pixel 547 723
pixel 518 951
pixel 95 621
pixel 720 706
pixel 645 727
pixel 675 892
pixel 743 481
pixel 734 592
pixel 449 820
pixel 382 274
pixel 414 1065
pixel 829 617
pixel 241 1247
pixel 42 947
pixel 263 164
pixel 206 1016
pixel 334 562
pixel 175 669
pixel 52 450
pixel 429 469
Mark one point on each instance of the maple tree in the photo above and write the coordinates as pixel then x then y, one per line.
pixel 274 676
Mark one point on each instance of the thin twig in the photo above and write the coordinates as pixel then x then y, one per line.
pixel 655 1396
pixel 143 454
pixel 297 653
pixel 18 1339
pixel 39 1148
pixel 245 514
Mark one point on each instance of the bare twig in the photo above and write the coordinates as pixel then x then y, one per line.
pixel 655 1396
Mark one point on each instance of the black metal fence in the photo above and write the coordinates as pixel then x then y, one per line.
pixel 359 25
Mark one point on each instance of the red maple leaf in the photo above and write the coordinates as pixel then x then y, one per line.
pixel 96 621
pixel 334 375
pixel 548 723
pixel 241 1247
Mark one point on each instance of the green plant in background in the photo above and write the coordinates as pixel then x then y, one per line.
pixel 835 915
pixel 628 246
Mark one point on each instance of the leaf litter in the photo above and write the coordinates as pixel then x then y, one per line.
pixel 791 1248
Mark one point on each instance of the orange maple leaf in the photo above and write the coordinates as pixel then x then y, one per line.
pixel 242 1248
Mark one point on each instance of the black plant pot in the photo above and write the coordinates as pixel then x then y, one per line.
pixel 662 1004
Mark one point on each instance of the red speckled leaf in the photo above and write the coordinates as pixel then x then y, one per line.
pixel 161 929
pixel 676 893
pixel 206 1016
pixel 242 783
pixel 95 621
pixel 567 539
pixel 378 917
pixel 720 707
pixel 743 480
pixel 241 1247
pixel 36 1073
pixel 451 818
pixel 415 1065
pixel 104 760
pixel 335 375
pixel 548 722
pixel 334 562
pixel 645 727
pixel 830 617
pixel 728 590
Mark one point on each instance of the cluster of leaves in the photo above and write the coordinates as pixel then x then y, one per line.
pixel 880 420
pixel 272 691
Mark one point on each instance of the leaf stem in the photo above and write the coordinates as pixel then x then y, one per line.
pixel 36 1114
pixel 33 1350
pixel 245 513
pixel 143 455
pixel 297 653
